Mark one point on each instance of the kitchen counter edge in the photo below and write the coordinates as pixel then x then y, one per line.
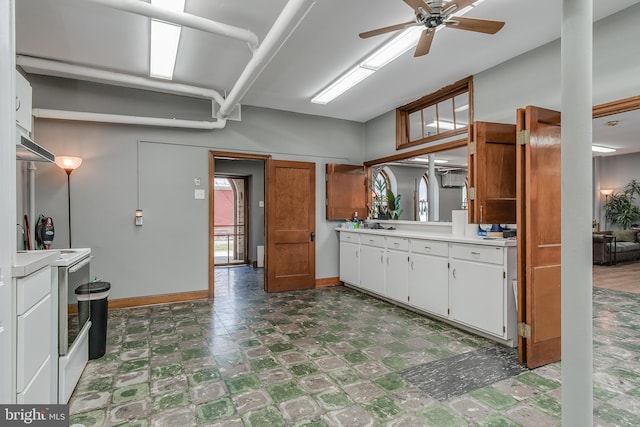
pixel 476 240
pixel 30 262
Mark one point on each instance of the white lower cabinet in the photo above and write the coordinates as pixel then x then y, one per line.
pixel 372 268
pixel 396 277
pixel 34 358
pixel 462 283
pixel 429 283
pixel 350 263
pixel 476 295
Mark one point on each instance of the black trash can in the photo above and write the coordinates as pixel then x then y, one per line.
pixel 92 302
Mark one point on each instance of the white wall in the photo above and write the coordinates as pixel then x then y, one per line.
pixel 168 254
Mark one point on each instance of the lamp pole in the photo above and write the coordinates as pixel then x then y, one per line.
pixel 68 171
pixel 69 164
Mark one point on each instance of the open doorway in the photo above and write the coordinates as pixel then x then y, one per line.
pixel 237 217
pixel 231 228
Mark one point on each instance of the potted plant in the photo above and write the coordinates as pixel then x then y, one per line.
pixel 393 203
pixel 620 207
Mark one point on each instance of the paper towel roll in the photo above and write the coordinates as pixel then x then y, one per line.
pixel 458 222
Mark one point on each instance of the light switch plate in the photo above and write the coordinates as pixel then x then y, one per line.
pixel 261 204
pixel 196 182
pixel 199 194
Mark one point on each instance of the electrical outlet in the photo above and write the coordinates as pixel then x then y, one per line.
pixel 199 194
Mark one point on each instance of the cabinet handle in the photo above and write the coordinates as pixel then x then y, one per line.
pixel 412 265
pixel 428 248
pixel 481 208
pixel 453 273
pixel 381 259
pixel 475 253
pixel 371 240
pixel 396 244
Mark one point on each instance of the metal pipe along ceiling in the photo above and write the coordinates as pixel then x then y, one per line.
pixel 185 19
pixel 292 14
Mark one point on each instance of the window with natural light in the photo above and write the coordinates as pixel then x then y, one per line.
pixel 439 115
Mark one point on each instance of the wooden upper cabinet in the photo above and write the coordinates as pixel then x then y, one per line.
pixel 346 191
pixel 492 173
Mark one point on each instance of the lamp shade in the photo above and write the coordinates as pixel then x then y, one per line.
pixel 68 163
pixel 606 192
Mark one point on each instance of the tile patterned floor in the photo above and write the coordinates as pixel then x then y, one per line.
pixel 327 357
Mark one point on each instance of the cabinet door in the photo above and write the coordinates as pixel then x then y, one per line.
pixel 476 295
pixel 429 283
pixel 492 174
pixel 397 276
pixel 350 263
pixel 346 191
pixel 33 341
pixel 372 269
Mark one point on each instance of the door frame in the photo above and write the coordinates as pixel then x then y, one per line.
pixel 266 159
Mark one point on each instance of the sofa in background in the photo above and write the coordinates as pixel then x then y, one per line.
pixel 610 247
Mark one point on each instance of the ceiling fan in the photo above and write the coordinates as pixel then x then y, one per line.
pixel 433 13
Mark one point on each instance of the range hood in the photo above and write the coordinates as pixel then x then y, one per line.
pixel 28 150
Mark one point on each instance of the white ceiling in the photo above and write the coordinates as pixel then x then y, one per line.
pixel 323 46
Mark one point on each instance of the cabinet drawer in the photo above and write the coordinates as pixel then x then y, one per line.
pixel 370 240
pixel 488 254
pixel 349 237
pixel 430 247
pixel 32 288
pixel 397 243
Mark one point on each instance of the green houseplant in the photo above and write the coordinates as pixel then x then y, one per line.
pixel 620 207
pixel 393 203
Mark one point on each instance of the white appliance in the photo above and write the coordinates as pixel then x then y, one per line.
pixel 73 340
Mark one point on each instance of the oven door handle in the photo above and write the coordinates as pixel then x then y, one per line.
pixel 81 264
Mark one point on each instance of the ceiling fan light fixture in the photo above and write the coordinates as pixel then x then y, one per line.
pixel 342 84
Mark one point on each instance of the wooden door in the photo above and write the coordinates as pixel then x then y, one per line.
pixel 538 218
pixel 492 173
pixel 291 225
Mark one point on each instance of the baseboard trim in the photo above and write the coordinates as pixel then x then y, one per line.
pixel 327 281
pixel 150 300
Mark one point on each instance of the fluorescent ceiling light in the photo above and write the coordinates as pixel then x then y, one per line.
pixel 165 38
pixel 344 83
pixel 442 124
pixel 426 160
pixel 394 48
pixel 600 149
pixel 389 51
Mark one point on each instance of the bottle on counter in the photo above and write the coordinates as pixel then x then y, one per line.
pixel 356 223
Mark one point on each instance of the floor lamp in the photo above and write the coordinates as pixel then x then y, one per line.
pixel 606 193
pixel 69 164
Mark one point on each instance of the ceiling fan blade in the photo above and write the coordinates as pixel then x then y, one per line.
pixel 388 29
pixel 473 24
pixel 424 44
pixel 461 4
pixel 416 4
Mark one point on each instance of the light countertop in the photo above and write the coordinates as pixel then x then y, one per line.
pixel 30 262
pixel 476 240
